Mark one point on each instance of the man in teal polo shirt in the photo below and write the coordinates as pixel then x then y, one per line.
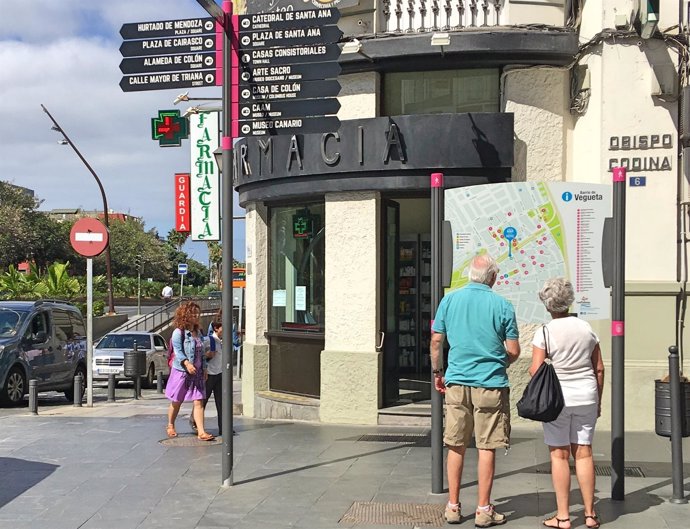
pixel 483 337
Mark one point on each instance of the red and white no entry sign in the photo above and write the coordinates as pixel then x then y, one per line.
pixel 89 237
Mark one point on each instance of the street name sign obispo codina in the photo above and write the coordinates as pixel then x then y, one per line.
pixel 168 54
pixel 288 70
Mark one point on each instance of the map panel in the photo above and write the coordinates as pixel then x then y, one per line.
pixel 535 231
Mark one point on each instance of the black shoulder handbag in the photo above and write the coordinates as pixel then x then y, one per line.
pixel 543 399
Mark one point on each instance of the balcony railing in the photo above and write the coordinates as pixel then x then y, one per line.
pixel 407 16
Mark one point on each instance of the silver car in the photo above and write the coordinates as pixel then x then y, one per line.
pixel 109 355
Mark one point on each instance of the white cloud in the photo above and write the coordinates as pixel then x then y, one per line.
pixel 65 55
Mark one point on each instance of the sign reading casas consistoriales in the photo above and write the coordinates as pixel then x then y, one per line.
pixel 205 183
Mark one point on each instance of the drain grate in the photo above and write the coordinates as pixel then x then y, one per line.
pixel 601 470
pixel 418 439
pixel 188 440
pixel 412 514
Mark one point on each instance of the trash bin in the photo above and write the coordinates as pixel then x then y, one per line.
pixel 135 363
pixel 662 408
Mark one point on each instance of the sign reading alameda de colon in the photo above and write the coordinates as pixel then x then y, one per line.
pixel 204 136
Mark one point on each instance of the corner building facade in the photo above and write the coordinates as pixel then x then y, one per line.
pixel 338 224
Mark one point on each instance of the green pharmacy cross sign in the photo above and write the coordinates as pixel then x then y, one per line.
pixel 304 225
pixel 169 128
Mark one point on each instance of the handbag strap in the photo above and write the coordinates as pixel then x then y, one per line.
pixel 546 342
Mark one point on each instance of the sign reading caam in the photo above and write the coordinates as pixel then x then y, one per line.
pixel 182 214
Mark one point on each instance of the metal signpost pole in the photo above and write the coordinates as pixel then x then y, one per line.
pixel 227 237
pixel 181 284
pixel 436 295
pixel 618 338
pixel 89 332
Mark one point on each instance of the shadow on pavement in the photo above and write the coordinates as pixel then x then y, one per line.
pixel 20 475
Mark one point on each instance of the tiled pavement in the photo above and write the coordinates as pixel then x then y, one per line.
pixel 104 467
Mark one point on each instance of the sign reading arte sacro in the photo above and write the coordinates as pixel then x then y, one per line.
pixel 204 136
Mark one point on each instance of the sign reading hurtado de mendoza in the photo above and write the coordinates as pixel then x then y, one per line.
pixel 204 134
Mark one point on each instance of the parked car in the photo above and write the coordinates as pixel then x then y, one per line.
pixel 109 355
pixel 43 340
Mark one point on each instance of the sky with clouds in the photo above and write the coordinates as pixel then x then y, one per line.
pixel 65 55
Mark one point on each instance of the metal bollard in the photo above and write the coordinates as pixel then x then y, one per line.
pixel 111 387
pixel 78 384
pixel 676 426
pixel 159 382
pixel 33 396
pixel 137 387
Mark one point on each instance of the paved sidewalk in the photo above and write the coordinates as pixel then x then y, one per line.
pixel 105 467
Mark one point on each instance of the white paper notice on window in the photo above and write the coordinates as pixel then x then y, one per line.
pixel 279 298
pixel 300 298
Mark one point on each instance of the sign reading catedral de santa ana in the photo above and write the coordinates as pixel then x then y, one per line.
pixel 205 183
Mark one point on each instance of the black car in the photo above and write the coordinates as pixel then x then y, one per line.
pixel 43 340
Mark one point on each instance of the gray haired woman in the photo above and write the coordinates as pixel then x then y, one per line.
pixel 575 354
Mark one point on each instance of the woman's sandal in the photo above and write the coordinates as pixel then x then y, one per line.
pixel 206 437
pixel 559 521
pixel 594 517
pixel 170 430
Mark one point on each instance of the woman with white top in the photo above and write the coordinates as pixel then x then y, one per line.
pixel 576 357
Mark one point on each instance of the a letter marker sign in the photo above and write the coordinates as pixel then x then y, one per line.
pixel 89 237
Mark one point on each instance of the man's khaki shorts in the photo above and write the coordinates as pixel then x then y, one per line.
pixel 482 410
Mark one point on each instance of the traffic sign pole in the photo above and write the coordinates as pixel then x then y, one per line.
pixel 89 332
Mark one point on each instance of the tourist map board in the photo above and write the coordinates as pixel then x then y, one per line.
pixel 535 231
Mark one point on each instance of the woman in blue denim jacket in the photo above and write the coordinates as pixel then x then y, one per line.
pixel 188 373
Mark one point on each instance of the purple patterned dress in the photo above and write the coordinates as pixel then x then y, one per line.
pixel 182 387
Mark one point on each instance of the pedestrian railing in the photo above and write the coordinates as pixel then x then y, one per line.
pixel 162 316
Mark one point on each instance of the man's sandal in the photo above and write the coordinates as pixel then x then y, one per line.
pixel 559 521
pixel 594 517
pixel 170 430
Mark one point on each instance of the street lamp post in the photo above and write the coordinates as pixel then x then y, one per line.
pixel 108 272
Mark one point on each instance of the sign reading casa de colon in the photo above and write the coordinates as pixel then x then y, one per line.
pixel 205 181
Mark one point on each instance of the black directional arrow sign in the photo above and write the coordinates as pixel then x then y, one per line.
pixel 289 91
pixel 289 19
pixel 138 48
pixel 168 28
pixel 288 109
pixel 168 63
pixel 163 81
pixel 290 72
pixel 289 37
pixel 289 126
pixel 292 55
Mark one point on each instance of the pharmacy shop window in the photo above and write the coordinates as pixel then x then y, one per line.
pixel 296 274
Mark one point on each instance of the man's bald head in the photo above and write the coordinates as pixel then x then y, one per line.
pixel 483 269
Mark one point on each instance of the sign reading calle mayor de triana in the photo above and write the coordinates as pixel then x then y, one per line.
pixel 204 134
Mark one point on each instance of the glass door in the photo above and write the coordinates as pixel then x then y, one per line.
pixel 390 305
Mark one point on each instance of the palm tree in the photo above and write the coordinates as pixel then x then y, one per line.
pixel 177 239
pixel 215 256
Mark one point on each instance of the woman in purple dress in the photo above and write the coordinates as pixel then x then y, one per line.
pixel 188 372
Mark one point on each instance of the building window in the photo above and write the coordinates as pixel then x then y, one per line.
pixel 297 268
pixel 441 92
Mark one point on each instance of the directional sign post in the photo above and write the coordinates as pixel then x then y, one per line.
pixel 168 54
pixel 288 72
pixel 89 237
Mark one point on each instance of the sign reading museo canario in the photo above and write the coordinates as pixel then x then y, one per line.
pixel 205 184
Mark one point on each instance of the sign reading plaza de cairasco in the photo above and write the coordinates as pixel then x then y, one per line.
pixel 204 132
